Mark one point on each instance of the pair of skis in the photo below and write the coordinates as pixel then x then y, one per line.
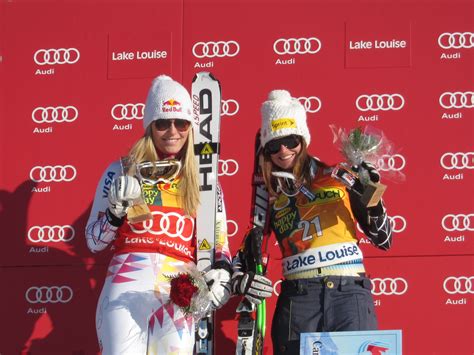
pixel 206 97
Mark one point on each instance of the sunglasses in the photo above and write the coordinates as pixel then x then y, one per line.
pixel 274 145
pixel 164 124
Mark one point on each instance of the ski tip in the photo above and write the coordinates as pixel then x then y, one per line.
pixel 201 75
pixel 204 75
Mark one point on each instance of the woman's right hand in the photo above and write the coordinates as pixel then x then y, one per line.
pixel 254 287
pixel 124 189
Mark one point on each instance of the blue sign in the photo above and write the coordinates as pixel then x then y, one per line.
pixel 370 342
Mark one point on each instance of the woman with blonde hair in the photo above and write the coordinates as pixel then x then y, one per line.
pixel 134 315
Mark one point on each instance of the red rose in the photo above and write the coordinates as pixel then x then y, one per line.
pixel 182 290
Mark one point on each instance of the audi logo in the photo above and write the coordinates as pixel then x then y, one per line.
pixel 56 56
pixel 458 222
pixel 389 286
pixel 461 285
pixel 457 99
pixel 56 173
pixel 228 167
pixel 456 40
pixel 310 45
pixel 37 234
pixel 395 162
pixel 236 228
pixel 52 294
pixel 229 107
pixel 457 160
pixel 398 224
pixel 127 111
pixel 218 49
pixel 171 224
pixel 383 102
pixel 54 114
pixel 312 104
pixel 275 291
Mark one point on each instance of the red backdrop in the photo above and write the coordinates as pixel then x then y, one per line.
pixel 74 77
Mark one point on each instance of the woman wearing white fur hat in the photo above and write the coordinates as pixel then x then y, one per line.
pixel 313 217
pixel 134 315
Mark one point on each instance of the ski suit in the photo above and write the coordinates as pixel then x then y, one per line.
pixel 133 313
pixel 324 287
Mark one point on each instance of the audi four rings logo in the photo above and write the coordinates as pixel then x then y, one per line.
pixel 458 222
pixel 54 114
pixel 127 111
pixel 383 102
pixel 228 167
pixel 217 49
pixel 461 285
pixel 457 160
pixel 312 104
pixel 56 56
pixel 56 173
pixel 310 45
pixel 54 234
pixel 456 40
pixel 457 99
pixel 51 294
pixel 395 162
pixel 171 224
pixel 388 286
pixel 235 226
pixel 398 224
pixel 229 107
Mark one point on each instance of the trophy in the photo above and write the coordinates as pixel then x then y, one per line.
pixel 148 174
pixel 358 146
pixel 138 210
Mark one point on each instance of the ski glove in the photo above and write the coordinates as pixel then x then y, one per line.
pixel 218 281
pixel 254 287
pixel 374 176
pixel 124 189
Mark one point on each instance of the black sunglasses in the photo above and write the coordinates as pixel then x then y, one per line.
pixel 164 124
pixel 274 145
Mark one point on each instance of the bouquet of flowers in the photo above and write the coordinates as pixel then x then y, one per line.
pixel 190 293
pixel 361 144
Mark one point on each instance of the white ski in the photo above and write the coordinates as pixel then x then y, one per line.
pixel 206 96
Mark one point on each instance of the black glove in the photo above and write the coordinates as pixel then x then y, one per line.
pixel 254 287
pixel 374 176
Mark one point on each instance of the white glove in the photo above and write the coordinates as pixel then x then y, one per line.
pixel 218 281
pixel 123 190
pixel 254 287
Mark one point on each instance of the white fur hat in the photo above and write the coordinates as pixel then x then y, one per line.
pixel 283 115
pixel 167 99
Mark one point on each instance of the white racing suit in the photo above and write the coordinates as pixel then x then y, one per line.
pixel 134 315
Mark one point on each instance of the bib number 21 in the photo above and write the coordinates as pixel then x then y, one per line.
pixel 309 227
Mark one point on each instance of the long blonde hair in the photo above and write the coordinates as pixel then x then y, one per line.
pixel 301 169
pixel 144 150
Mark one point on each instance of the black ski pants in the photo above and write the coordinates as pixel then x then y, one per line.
pixel 321 304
